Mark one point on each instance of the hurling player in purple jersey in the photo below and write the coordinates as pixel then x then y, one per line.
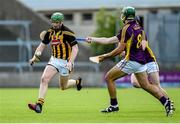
pixel 129 38
pixel 152 67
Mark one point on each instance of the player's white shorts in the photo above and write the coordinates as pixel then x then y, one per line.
pixel 60 65
pixel 130 67
pixel 152 67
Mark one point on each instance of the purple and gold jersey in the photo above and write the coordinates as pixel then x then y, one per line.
pixel 131 34
pixel 150 57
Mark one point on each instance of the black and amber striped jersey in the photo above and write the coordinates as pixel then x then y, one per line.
pixel 61 42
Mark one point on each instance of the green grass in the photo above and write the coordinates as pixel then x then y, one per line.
pixel 71 106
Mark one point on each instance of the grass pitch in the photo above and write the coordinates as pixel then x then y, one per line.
pixel 71 106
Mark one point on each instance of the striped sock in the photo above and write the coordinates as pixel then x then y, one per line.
pixel 40 101
pixel 77 82
pixel 163 100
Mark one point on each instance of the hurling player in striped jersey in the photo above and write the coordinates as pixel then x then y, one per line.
pixel 64 49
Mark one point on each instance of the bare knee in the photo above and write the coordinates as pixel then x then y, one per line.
pixel 44 80
pixel 134 81
pixel 107 78
pixel 146 86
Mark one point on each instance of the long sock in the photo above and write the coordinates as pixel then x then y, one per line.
pixel 77 82
pixel 163 100
pixel 71 83
pixel 114 102
pixel 40 101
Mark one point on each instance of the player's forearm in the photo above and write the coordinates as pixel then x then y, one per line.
pixel 74 53
pixel 101 40
pixel 144 44
pixel 113 53
pixel 104 40
pixel 143 35
pixel 40 47
pixel 39 50
pixel 117 51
